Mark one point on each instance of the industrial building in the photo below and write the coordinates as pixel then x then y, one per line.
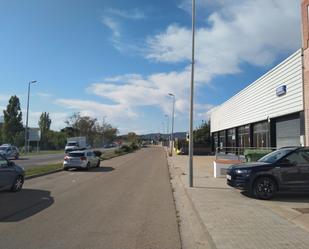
pixel 273 111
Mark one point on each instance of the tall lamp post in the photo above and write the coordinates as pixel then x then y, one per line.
pixel 26 131
pixel 173 117
pixel 167 124
pixel 192 100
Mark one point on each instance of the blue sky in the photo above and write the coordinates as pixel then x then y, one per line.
pixel 120 59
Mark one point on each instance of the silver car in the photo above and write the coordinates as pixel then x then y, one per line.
pixel 83 159
pixel 9 151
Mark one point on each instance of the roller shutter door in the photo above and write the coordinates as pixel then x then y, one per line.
pixel 288 132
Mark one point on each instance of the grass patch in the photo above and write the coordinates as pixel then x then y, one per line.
pixel 42 152
pixel 43 169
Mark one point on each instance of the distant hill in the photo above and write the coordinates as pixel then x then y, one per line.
pixel 154 136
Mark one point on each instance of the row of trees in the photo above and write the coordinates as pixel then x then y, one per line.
pixel 12 130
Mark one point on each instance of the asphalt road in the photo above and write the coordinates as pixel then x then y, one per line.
pixel 41 160
pixel 125 204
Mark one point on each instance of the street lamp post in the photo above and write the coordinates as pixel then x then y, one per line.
pixel 167 125
pixel 173 117
pixel 26 131
pixel 192 100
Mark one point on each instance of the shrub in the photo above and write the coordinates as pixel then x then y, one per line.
pixel 134 146
pixel 126 148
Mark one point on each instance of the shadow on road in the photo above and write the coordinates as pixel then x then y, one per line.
pixel 300 197
pixel 21 205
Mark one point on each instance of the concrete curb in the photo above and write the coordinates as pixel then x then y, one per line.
pixel 43 174
pixel 193 232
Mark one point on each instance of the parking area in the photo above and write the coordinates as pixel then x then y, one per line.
pixel 234 220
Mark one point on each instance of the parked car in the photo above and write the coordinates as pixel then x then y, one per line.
pixel 83 159
pixel 9 151
pixel 286 169
pixel 11 175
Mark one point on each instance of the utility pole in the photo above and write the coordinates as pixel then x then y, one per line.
pixel 173 117
pixel 192 99
pixel 103 129
pixel 167 125
pixel 27 116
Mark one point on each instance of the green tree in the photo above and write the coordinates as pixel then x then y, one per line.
pixel 132 137
pixel 201 135
pixel 44 124
pixel 96 133
pixel 12 130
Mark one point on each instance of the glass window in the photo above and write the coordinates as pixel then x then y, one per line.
pixel 3 162
pixel 231 140
pixel 222 142
pixel 276 155
pixel 261 135
pixel 215 137
pixel 78 154
pixel 299 158
pixel 244 136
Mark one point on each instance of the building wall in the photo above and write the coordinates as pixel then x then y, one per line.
pixel 259 101
pixel 305 20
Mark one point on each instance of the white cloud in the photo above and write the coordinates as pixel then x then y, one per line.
pixel 112 25
pixel 98 110
pixel 43 95
pixel 253 32
pixel 113 20
pixel 134 14
pixel 237 32
pixel 58 119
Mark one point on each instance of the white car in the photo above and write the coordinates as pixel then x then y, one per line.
pixel 9 151
pixel 82 159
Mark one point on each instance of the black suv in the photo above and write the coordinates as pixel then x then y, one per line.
pixel 284 169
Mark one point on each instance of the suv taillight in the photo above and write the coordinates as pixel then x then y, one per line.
pixel 83 158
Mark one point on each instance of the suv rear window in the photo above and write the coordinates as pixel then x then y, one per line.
pixel 74 154
pixel 72 144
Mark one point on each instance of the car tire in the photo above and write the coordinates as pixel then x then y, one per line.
pixel 264 188
pixel 16 156
pixel 18 184
pixel 98 164
pixel 88 166
pixel 66 169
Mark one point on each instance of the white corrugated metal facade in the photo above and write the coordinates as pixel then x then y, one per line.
pixel 259 101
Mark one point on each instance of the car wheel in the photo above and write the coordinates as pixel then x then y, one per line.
pixel 66 169
pixel 264 188
pixel 16 156
pixel 88 166
pixel 98 164
pixel 18 184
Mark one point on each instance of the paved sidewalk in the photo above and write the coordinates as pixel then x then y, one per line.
pixel 236 221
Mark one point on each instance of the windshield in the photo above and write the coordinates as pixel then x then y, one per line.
pixel 275 155
pixel 72 144
pixel 74 154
